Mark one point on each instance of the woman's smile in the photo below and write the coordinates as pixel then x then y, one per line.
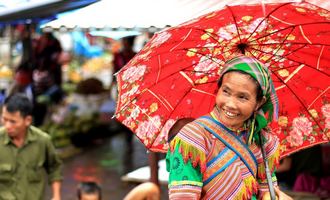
pixel 229 114
pixel 236 99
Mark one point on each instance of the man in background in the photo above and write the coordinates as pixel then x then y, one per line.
pixel 26 154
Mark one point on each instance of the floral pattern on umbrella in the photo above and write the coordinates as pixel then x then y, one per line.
pixel 175 74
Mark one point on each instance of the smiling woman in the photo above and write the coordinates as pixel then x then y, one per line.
pixel 218 156
pixel 237 99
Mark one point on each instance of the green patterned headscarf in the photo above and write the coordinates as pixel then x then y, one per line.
pixel 261 74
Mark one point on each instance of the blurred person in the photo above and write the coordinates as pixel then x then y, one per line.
pixel 26 154
pixel 48 51
pixel 22 82
pixel 144 191
pixel 47 75
pixel 301 171
pixel 122 57
pixel 45 92
pixel 89 191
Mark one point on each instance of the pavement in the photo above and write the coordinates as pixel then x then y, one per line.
pixel 105 161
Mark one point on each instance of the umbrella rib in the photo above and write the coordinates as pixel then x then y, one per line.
pixel 298 99
pixel 289 27
pixel 274 32
pixel 180 100
pixel 236 25
pixel 281 44
pixel 301 103
pixel 167 105
pixel 319 58
pixel 303 34
pixel 212 35
pixel 262 44
pixel 195 71
pixel 186 93
pixel 294 73
pixel 205 55
pixel 266 17
pixel 318 96
pixel 293 43
pixel 284 22
pixel 159 68
pixel 202 91
pixel 181 41
pixel 285 57
pixel 142 111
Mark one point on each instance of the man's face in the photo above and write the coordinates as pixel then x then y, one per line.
pixel 14 123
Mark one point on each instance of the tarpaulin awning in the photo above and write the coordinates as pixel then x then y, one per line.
pixel 35 9
pixel 148 13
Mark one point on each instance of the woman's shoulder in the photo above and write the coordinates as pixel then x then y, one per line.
pixel 270 136
pixel 193 143
pixel 194 129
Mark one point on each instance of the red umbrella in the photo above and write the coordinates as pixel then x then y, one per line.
pixel 175 75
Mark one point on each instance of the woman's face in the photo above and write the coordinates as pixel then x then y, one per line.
pixel 236 99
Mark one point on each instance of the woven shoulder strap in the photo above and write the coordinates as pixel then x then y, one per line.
pixel 228 138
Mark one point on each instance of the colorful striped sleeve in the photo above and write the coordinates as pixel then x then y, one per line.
pixel 193 144
pixel 185 180
pixel 186 162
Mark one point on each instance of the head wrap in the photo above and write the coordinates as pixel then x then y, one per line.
pixel 269 110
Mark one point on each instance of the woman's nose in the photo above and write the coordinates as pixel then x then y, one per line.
pixel 230 102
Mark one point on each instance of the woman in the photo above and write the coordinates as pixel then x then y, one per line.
pixel 218 156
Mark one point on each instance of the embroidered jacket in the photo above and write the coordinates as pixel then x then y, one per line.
pixel 208 161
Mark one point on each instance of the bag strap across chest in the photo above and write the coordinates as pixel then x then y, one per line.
pixel 233 142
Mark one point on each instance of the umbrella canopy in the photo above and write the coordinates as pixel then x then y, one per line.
pixel 175 75
pixel 146 13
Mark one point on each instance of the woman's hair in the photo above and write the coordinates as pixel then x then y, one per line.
pixel 89 188
pixel 19 102
pixel 259 90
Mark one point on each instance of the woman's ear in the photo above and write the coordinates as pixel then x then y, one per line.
pixel 260 103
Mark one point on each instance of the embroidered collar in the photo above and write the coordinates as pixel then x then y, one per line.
pixel 215 114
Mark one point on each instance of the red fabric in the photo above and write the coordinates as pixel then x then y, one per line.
pixel 306 183
pixel 175 75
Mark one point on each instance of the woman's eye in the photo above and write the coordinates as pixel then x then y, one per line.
pixel 243 97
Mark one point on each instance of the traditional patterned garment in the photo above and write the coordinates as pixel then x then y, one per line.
pixel 209 161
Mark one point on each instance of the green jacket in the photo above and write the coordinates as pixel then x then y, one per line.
pixel 22 170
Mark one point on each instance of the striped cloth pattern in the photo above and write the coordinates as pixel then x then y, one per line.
pixel 235 181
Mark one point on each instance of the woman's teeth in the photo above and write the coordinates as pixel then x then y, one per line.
pixel 230 114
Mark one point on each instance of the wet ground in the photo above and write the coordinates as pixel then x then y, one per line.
pixel 105 162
